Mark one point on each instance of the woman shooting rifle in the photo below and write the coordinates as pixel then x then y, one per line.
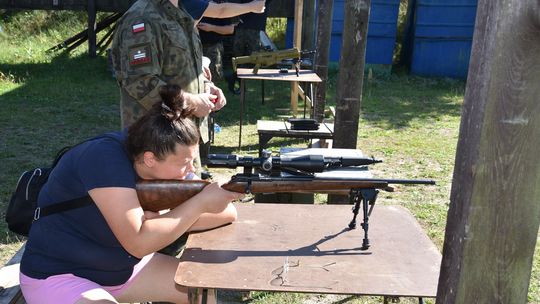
pixel 105 252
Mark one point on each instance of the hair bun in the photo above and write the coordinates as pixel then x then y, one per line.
pixel 172 105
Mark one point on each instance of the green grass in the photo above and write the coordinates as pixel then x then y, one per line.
pixel 52 100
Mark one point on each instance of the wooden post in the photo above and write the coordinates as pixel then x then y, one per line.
pixel 308 25
pixel 494 212
pixel 308 43
pixel 92 28
pixel 324 31
pixel 351 72
pixel 297 43
pixel 349 85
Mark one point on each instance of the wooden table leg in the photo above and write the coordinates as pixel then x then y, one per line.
pixel 242 100
pixel 202 296
pixel 263 142
pixel 262 91
pixel 193 295
pixel 294 98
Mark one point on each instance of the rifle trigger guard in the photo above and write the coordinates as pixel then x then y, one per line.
pixel 248 187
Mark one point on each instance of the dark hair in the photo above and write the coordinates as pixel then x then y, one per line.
pixel 166 124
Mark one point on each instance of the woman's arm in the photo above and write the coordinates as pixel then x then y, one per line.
pixel 227 10
pixel 211 220
pixel 140 235
pixel 220 29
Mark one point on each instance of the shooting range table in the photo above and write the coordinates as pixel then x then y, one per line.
pixel 306 76
pixel 308 248
pixel 268 129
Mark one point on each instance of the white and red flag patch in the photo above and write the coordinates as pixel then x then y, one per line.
pixel 137 28
pixel 139 56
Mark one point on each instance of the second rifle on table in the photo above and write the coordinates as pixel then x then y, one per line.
pixel 269 58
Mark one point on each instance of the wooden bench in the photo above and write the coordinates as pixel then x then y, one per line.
pixel 10 291
pixel 268 129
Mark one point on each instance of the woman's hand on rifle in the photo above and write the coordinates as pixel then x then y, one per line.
pixel 215 198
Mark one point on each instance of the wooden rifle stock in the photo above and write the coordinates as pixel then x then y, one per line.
pixel 155 195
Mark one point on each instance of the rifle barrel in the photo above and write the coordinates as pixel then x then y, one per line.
pixel 389 181
pixel 312 186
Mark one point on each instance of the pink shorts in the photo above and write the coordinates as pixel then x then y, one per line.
pixel 67 288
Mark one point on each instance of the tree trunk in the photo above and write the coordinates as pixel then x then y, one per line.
pixel 494 210
pixel 351 72
pixel 324 31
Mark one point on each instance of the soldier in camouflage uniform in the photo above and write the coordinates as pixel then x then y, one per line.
pixel 247 34
pixel 156 43
pixel 212 32
pixel 247 39
pixel 215 53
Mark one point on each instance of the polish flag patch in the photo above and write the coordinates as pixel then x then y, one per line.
pixel 137 28
pixel 139 56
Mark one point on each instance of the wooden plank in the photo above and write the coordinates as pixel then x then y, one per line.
pixel 277 8
pixel 322 56
pixel 308 25
pixel 297 43
pixel 10 292
pixel 493 218
pixel 283 129
pixel 76 5
pixel 305 98
pixel 91 9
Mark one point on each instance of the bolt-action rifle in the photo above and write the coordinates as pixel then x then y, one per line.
pixel 272 174
pixel 268 58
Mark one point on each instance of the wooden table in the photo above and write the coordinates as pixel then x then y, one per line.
pixel 308 248
pixel 307 76
pixel 268 129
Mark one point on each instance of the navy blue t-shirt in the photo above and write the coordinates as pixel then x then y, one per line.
pixel 195 8
pixel 210 38
pixel 79 241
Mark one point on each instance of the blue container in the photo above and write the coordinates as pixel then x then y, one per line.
pixel 382 30
pixel 441 37
pixel 441 57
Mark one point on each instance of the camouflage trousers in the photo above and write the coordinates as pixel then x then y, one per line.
pixel 215 53
pixel 246 41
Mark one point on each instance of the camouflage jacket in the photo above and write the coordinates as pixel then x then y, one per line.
pixel 155 43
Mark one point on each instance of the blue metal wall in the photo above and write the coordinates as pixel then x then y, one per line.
pixel 382 30
pixel 440 37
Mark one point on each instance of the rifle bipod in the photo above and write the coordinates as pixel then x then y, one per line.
pixel 367 197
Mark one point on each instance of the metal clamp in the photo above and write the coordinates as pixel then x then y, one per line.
pixel 37 213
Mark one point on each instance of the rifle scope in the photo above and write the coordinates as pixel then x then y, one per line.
pixel 305 163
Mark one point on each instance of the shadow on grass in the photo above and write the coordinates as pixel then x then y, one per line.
pixel 46 107
pixel 395 100
pixel 390 102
